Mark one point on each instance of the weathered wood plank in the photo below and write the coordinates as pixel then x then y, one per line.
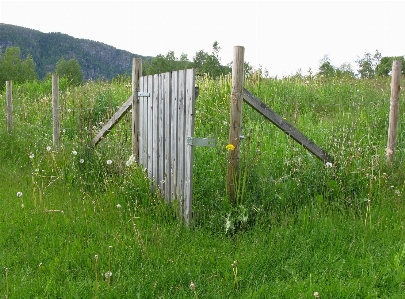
pixel 188 165
pixel 155 129
pixel 150 127
pixel 181 140
pixel 142 122
pixel 167 136
pixel 161 145
pixel 113 121
pixel 286 127
pixel 174 134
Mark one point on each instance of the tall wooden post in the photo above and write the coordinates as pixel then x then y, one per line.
pixel 136 74
pixel 394 110
pixel 9 93
pixel 235 121
pixel 55 110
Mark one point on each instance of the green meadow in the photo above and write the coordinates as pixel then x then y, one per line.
pixel 82 222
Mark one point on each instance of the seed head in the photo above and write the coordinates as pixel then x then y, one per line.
pixel 192 286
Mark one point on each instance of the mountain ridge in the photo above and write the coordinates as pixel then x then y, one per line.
pixel 97 60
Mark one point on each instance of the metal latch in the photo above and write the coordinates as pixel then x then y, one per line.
pixel 209 142
pixel 143 94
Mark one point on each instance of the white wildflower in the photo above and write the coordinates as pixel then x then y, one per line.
pixel 19 194
pixel 108 274
pixel 74 153
pixel 118 206
pixel 328 165
pixel 48 148
pixel 81 161
pixel 32 156
pixel 109 162
pixel 130 161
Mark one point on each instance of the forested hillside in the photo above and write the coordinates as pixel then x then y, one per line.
pixel 97 60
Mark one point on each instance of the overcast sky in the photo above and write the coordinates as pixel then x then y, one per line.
pixel 281 36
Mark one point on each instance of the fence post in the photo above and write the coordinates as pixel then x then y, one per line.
pixel 136 74
pixel 9 92
pixel 394 109
pixel 55 110
pixel 235 121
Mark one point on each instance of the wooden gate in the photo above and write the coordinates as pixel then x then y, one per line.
pixel 166 126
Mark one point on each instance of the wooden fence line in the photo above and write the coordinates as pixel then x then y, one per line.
pixel 55 110
pixel 394 110
pixel 9 92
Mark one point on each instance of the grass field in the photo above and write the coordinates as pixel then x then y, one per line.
pixel 78 222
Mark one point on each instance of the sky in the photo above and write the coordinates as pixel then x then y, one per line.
pixel 281 37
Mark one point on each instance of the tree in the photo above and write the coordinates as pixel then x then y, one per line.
pixel 159 64
pixel 28 69
pixel 184 63
pixel 367 64
pixel 69 69
pixel 205 63
pixel 326 69
pixel 345 70
pixel 384 68
pixel 13 68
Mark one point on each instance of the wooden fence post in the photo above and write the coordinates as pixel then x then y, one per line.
pixel 55 110
pixel 9 93
pixel 136 74
pixel 394 109
pixel 235 121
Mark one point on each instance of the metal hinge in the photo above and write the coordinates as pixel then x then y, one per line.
pixel 209 142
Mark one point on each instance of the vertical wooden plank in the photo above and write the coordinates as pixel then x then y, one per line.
pixel 55 110
pixel 174 140
pixel 9 98
pixel 155 129
pixel 167 135
pixel 181 140
pixel 161 119
pixel 136 74
pixel 150 126
pixel 142 120
pixel 235 122
pixel 188 153
pixel 145 122
pixel 394 110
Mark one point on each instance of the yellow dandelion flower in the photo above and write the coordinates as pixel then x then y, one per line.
pixel 230 147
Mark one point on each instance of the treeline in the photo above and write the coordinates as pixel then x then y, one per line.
pixel 14 68
pixel 17 69
pixel 369 66
pixel 203 62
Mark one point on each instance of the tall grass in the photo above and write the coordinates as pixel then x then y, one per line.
pixel 82 222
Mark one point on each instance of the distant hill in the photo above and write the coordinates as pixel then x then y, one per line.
pixel 97 60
